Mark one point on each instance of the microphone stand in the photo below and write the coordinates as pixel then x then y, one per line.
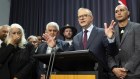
pixel 50 65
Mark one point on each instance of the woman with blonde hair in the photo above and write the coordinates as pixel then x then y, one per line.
pixel 17 53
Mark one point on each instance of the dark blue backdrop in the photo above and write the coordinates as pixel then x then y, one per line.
pixel 33 15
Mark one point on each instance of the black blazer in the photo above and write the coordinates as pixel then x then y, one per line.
pixel 20 62
pixel 4 59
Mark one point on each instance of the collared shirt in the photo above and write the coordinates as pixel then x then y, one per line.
pixel 0 42
pixel 111 40
pixel 89 31
pixel 69 41
pixel 49 50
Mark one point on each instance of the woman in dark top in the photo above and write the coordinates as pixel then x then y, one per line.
pixel 17 54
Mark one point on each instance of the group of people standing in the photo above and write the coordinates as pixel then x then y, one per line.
pixel 116 46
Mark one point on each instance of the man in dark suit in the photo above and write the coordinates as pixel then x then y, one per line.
pixel 94 40
pixel 97 41
pixel 3 67
pixel 126 64
pixel 52 29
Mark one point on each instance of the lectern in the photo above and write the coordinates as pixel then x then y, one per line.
pixel 80 64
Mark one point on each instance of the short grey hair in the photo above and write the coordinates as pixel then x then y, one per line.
pixel 52 24
pixel 89 11
pixel 7 26
pixel 32 37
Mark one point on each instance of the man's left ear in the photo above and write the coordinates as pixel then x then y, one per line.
pixel 128 13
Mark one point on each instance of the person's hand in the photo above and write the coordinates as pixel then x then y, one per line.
pixel 15 78
pixel 124 73
pixel 109 31
pixel 15 40
pixel 120 72
pixel 51 41
pixel 42 76
pixel 36 44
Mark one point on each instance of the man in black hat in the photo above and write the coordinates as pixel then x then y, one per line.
pixel 68 32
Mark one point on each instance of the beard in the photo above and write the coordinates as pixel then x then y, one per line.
pixel 123 19
pixel 68 37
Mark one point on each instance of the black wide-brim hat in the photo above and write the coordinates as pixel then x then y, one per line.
pixel 74 30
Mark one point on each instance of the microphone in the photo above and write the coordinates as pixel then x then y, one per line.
pixel 51 62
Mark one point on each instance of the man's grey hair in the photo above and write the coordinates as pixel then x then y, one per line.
pixel 54 24
pixel 7 26
pixel 32 37
pixel 89 11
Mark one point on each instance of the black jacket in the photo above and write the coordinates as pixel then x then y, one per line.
pixel 17 61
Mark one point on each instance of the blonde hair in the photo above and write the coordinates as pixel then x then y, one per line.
pixel 22 41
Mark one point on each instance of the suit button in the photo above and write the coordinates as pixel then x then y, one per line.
pixel 119 49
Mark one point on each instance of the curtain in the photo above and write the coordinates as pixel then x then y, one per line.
pixel 33 15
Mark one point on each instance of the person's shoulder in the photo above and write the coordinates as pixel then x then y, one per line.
pixel 134 23
pixel 61 41
pixel 2 44
pixel 78 34
pixel 28 44
pixel 100 30
pixel 42 44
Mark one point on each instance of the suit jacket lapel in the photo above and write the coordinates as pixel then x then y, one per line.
pixel 117 35
pixel 128 27
pixel 81 40
pixel 42 49
pixel 58 43
pixel 92 36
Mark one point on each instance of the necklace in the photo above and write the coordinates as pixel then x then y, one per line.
pixel 122 31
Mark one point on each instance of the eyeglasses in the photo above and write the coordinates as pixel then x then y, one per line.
pixel 83 16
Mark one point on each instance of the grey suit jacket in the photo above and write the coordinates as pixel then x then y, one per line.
pixel 128 49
